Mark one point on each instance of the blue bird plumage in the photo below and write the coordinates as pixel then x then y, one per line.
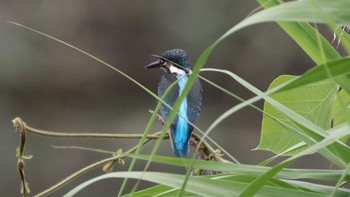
pixel 176 66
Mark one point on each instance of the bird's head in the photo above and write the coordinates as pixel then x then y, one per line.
pixel 172 61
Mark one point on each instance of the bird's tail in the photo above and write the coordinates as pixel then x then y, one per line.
pixel 180 150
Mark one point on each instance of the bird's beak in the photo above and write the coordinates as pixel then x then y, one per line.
pixel 155 64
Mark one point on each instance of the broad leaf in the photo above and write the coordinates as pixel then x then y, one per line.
pixel 340 110
pixel 313 102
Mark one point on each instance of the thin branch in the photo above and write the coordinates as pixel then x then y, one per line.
pixel 201 146
pixel 18 123
pixel 20 155
pixel 85 170
pixel 84 148
pixel 203 149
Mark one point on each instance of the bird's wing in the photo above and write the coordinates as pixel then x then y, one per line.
pixel 194 102
pixel 164 83
pixel 194 98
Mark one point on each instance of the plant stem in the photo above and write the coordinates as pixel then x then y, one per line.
pixel 18 123
pixel 20 155
pixel 206 150
pixel 85 170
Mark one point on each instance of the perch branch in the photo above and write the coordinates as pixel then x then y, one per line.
pixel 202 148
pixel 206 151
pixel 19 123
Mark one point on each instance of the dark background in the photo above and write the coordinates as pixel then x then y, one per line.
pixel 53 87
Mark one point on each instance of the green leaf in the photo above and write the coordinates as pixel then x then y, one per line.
pixel 306 36
pixel 158 190
pixel 313 102
pixel 341 110
pixel 339 192
pixel 256 185
pixel 334 135
pixel 324 11
pixel 250 170
pixel 339 156
pixel 336 68
pixel 197 185
pixel 219 185
pixel 162 190
pixel 311 41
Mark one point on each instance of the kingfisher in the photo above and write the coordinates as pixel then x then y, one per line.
pixel 177 67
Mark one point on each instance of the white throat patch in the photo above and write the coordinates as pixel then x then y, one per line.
pixel 176 70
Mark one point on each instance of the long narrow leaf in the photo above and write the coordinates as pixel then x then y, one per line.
pixel 203 186
pixel 310 40
pixel 287 173
pixel 319 73
pixel 306 36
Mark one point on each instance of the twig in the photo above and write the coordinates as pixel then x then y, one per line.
pixel 202 148
pixel 20 155
pixel 18 122
pixel 160 118
pixel 206 149
pixel 85 170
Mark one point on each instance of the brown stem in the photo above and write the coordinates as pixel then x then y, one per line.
pixel 85 170
pixel 202 148
pixel 18 123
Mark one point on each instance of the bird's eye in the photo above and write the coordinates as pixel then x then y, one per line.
pixel 161 61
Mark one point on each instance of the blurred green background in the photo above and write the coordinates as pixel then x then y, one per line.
pixel 53 87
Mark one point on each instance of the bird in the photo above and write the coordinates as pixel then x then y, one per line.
pixel 176 66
